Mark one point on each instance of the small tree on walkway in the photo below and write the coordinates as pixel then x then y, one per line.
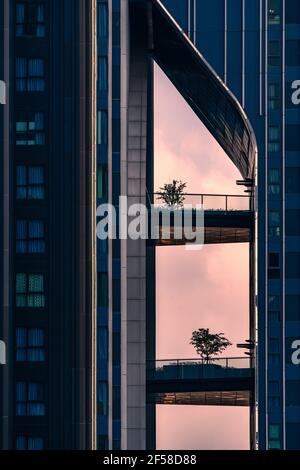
pixel 208 344
pixel 172 194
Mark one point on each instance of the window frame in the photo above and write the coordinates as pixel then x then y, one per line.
pixel 35 128
pixel 28 187
pixel 28 23
pixel 26 403
pixel 28 348
pixel 29 297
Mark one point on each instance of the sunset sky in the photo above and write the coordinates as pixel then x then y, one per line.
pixel 206 288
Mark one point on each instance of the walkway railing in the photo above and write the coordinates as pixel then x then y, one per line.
pixel 199 369
pixel 213 202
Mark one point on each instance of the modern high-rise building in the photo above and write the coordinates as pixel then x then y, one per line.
pixel 76 131
pixel 48 148
pixel 254 47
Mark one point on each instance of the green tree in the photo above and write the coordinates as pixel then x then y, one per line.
pixel 208 344
pixel 172 194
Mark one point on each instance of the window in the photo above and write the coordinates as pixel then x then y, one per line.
pixel 30 290
pixel 274 346
pixel 292 261
pixel 116 28
pixel 102 290
pixel 292 308
pixel 29 399
pixel 29 443
pixel 102 398
pixel 30 129
pixel 116 402
pixel 116 444
pixel 274 11
pixel 102 442
pixel 116 83
pixel 102 20
pixel 274 139
pixel 274 436
pixel 102 129
pixel 116 135
pixel 102 343
pixel 274 181
pixel 30 19
pixel 292 180
pixel 116 349
pixel 292 14
pixel 30 182
pixel 292 217
pixel 274 308
pixel 274 359
pixel 102 74
pixel 274 268
pixel 274 224
pixel 274 402
pixel 274 54
pixel 102 246
pixel 292 53
pixel 293 392
pixel 30 74
pixel 30 236
pixel 274 387
pixel 274 316
pixel 292 141
pixel 30 345
pixel 274 96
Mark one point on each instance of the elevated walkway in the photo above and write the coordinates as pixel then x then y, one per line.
pixel 221 382
pixel 226 219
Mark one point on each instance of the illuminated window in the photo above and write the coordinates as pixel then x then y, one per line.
pixel 274 12
pixel 274 224
pixel 30 290
pixel 274 181
pixel 30 129
pixel 274 436
pixel 274 139
pixel 274 96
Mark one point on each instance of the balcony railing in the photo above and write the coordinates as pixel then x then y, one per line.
pixel 180 369
pixel 209 202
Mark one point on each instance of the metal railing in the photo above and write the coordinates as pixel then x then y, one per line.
pixel 213 202
pixel 199 368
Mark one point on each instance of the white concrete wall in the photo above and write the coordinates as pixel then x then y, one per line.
pixel 133 182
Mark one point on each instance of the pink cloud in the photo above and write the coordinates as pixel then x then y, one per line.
pixel 207 288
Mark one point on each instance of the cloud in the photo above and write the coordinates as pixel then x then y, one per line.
pixel 208 288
